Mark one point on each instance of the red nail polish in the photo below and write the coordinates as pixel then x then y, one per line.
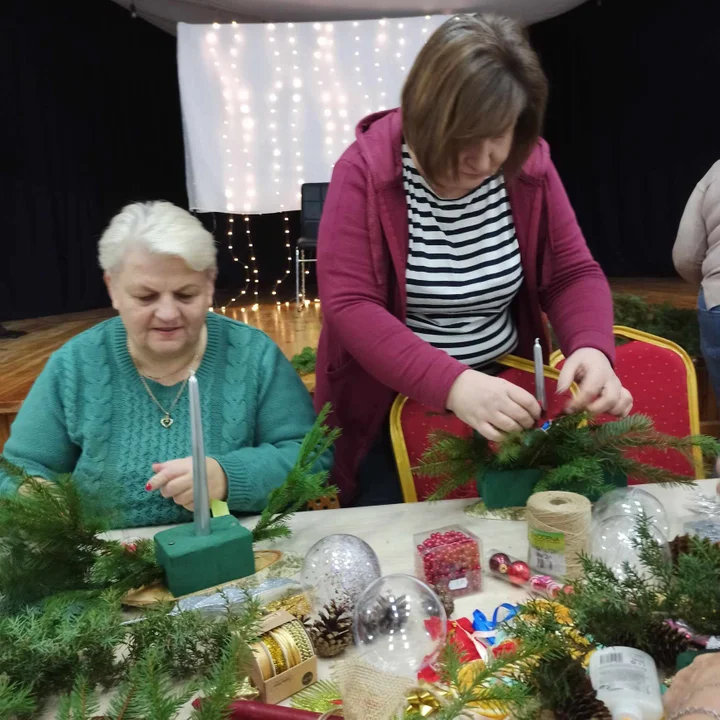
pixel 148 487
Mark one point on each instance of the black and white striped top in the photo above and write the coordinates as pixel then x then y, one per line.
pixel 463 268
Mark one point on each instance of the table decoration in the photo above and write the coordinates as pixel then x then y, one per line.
pixel 336 571
pixel 574 454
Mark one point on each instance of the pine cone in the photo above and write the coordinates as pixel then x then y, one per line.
pixel 331 633
pixel 665 644
pixel 681 546
pixel 389 615
pixel 446 599
pixel 583 704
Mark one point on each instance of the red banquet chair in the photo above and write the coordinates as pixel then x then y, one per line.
pixel 661 377
pixel 411 423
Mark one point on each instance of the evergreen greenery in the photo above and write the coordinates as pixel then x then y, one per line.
pixel 66 645
pixel 50 542
pixel 576 453
pixel 304 362
pixel 62 628
pixel 676 324
pixel 149 691
pixel 632 611
pixel 304 482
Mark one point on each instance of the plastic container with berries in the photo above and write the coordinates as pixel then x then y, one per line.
pixel 449 558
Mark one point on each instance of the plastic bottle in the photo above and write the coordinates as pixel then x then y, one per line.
pixel 626 680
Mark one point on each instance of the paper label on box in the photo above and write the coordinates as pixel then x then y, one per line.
pixel 458 584
pixel 547 551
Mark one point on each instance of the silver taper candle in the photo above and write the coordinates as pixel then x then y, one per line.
pixel 539 375
pixel 200 486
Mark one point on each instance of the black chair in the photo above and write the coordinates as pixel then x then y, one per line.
pixel 311 205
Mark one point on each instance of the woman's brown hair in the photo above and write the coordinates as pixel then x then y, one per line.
pixel 475 76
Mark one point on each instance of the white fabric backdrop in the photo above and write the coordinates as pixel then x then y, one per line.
pixel 268 107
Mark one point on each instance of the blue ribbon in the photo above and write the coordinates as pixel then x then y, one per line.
pixel 483 625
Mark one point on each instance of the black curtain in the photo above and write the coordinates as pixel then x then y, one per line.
pixel 633 120
pixel 90 121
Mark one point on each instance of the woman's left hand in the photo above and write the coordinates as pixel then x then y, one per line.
pixel 174 480
pixel 599 388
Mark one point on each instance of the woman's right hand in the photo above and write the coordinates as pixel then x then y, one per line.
pixel 491 405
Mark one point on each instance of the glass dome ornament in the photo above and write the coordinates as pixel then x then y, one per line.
pixel 337 569
pixel 399 625
pixel 633 502
pixel 614 539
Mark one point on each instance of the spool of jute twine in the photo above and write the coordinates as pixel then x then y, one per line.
pixel 558 531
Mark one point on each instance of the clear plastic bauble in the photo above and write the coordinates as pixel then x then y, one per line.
pixel 399 625
pixel 613 541
pixel 633 502
pixel 337 569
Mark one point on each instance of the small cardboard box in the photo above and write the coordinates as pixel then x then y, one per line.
pixel 282 686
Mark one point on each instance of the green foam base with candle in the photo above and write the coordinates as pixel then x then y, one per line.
pixel 192 562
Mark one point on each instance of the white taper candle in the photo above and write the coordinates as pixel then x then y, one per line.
pixel 539 375
pixel 200 485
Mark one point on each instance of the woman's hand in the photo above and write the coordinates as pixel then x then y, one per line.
pixel 174 480
pixel 600 389
pixel 696 686
pixel 491 405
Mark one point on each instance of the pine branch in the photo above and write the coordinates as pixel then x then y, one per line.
pixel 219 688
pixel 155 696
pixel 304 362
pixel 16 700
pixel 47 646
pixel 483 687
pixel 457 461
pixel 48 540
pixel 125 567
pixel 303 484
pixel 189 643
pixel 81 704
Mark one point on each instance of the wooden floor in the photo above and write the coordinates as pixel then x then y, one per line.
pixel 22 359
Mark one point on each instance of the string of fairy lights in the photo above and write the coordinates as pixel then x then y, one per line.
pixel 338 102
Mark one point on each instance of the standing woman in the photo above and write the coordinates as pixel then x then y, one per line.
pixel 445 232
pixel 696 255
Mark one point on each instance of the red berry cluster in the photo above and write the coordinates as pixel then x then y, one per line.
pixel 449 556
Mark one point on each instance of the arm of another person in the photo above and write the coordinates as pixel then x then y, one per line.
pixel 39 442
pixel 284 417
pixel 355 301
pixel 691 244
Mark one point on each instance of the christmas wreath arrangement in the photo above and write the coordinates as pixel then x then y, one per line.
pixel 574 453
pixel 63 630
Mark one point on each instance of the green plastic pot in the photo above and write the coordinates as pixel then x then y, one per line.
pixel 512 488
pixel 507 488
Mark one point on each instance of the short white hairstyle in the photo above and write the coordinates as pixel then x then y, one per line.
pixel 160 227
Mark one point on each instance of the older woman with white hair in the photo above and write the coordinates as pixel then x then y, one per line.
pixel 111 405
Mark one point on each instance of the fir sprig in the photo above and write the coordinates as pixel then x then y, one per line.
pixel 485 686
pixel 189 643
pixel 47 646
pixel 576 453
pixel 81 704
pixel 304 362
pixel 305 482
pixel 457 460
pixel 49 539
pixel 16 699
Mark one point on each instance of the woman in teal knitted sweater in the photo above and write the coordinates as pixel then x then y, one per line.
pixel 111 405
